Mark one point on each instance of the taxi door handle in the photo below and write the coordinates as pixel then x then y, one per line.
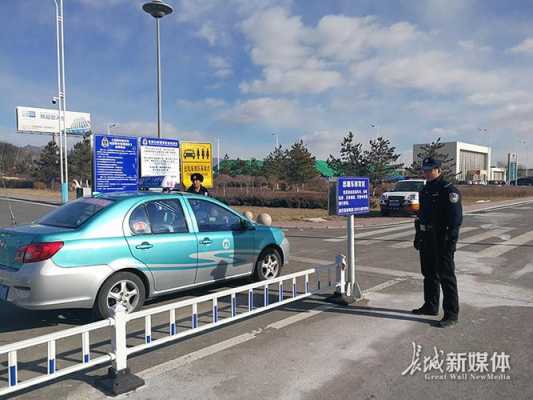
pixel 144 246
pixel 206 240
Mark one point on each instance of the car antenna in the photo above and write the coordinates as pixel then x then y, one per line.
pixel 13 220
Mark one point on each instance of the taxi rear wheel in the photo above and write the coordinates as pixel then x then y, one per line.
pixel 268 266
pixel 121 288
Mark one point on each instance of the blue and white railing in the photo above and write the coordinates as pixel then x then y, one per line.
pixel 118 323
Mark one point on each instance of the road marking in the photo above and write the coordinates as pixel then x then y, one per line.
pixel 299 317
pixel 198 355
pixel 371 233
pixel 28 201
pixel 384 285
pixel 483 236
pixel 386 237
pixel 385 230
pixel 511 244
pixel 246 337
pixel 361 268
pixel 521 272
pixel 407 244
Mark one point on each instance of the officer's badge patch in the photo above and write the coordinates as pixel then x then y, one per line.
pixel 454 197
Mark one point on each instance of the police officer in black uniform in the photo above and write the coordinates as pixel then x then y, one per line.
pixel 437 232
pixel 197 186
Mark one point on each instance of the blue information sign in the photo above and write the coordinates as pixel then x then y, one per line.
pixel 352 196
pixel 115 166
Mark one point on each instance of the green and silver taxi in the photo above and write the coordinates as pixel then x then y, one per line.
pixel 98 251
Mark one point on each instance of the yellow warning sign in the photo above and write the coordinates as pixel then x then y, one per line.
pixel 196 158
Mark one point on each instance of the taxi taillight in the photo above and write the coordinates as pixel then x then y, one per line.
pixel 35 252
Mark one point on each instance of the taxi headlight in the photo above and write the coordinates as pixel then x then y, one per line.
pixel 412 197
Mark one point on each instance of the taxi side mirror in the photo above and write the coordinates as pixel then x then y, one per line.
pixel 246 225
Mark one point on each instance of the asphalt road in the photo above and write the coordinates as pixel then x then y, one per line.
pixel 311 351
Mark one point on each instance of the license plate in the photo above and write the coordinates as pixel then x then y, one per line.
pixel 3 292
pixel 394 204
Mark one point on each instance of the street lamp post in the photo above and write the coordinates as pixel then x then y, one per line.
pixel 377 129
pixel 489 167
pixel 276 136
pixel 158 10
pixel 111 125
pixel 218 155
pixel 525 143
pixel 61 100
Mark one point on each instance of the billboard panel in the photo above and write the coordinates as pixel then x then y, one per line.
pixel 160 162
pixel 114 164
pixel 43 120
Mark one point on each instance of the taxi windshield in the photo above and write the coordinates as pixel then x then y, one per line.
pixel 75 213
pixel 408 186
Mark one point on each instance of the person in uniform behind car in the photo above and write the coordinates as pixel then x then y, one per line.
pixel 197 186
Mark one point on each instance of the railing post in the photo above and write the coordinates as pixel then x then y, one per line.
pixel 119 379
pixel 12 364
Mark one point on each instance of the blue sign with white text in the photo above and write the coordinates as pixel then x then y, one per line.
pixel 353 196
pixel 115 166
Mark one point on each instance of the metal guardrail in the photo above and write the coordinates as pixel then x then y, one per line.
pixel 52 371
pixel 118 326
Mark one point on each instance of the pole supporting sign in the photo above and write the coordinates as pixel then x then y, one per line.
pixel 159 162
pixel 115 164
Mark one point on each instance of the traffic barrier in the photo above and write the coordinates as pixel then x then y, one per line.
pixel 119 379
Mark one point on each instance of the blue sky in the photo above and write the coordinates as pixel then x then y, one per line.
pixel 244 69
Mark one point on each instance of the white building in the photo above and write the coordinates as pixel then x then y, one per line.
pixel 472 162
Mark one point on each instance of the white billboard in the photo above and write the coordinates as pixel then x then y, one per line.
pixel 43 120
pixel 160 162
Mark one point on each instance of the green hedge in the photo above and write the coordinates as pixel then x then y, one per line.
pixel 278 199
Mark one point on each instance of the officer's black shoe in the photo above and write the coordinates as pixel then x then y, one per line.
pixel 424 310
pixel 448 321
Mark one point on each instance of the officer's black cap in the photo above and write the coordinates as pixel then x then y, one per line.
pixel 200 177
pixel 429 163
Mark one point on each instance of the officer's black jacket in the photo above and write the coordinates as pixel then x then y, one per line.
pixel 440 207
pixel 203 191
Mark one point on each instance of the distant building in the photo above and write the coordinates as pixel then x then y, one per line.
pixel 498 174
pixel 472 162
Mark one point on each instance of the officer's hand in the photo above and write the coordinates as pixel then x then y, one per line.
pixel 417 244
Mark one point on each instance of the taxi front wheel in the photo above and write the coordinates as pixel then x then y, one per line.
pixel 124 288
pixel 268 266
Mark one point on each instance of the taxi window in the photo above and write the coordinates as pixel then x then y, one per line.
pixel 75 213
pixel 166 216
pixel 139 223
pixel 212 218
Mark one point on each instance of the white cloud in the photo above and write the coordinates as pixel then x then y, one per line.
pixel 208 32
pixel 293 81
pixel 344 38
pixel 525 47
pixel 299 59
pixel 265 110
pixel 433 71
pixel 470 45
pixel 220 65
pixel 209 102
pixel 498 98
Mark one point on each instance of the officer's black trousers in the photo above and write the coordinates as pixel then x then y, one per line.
pixel 438 269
